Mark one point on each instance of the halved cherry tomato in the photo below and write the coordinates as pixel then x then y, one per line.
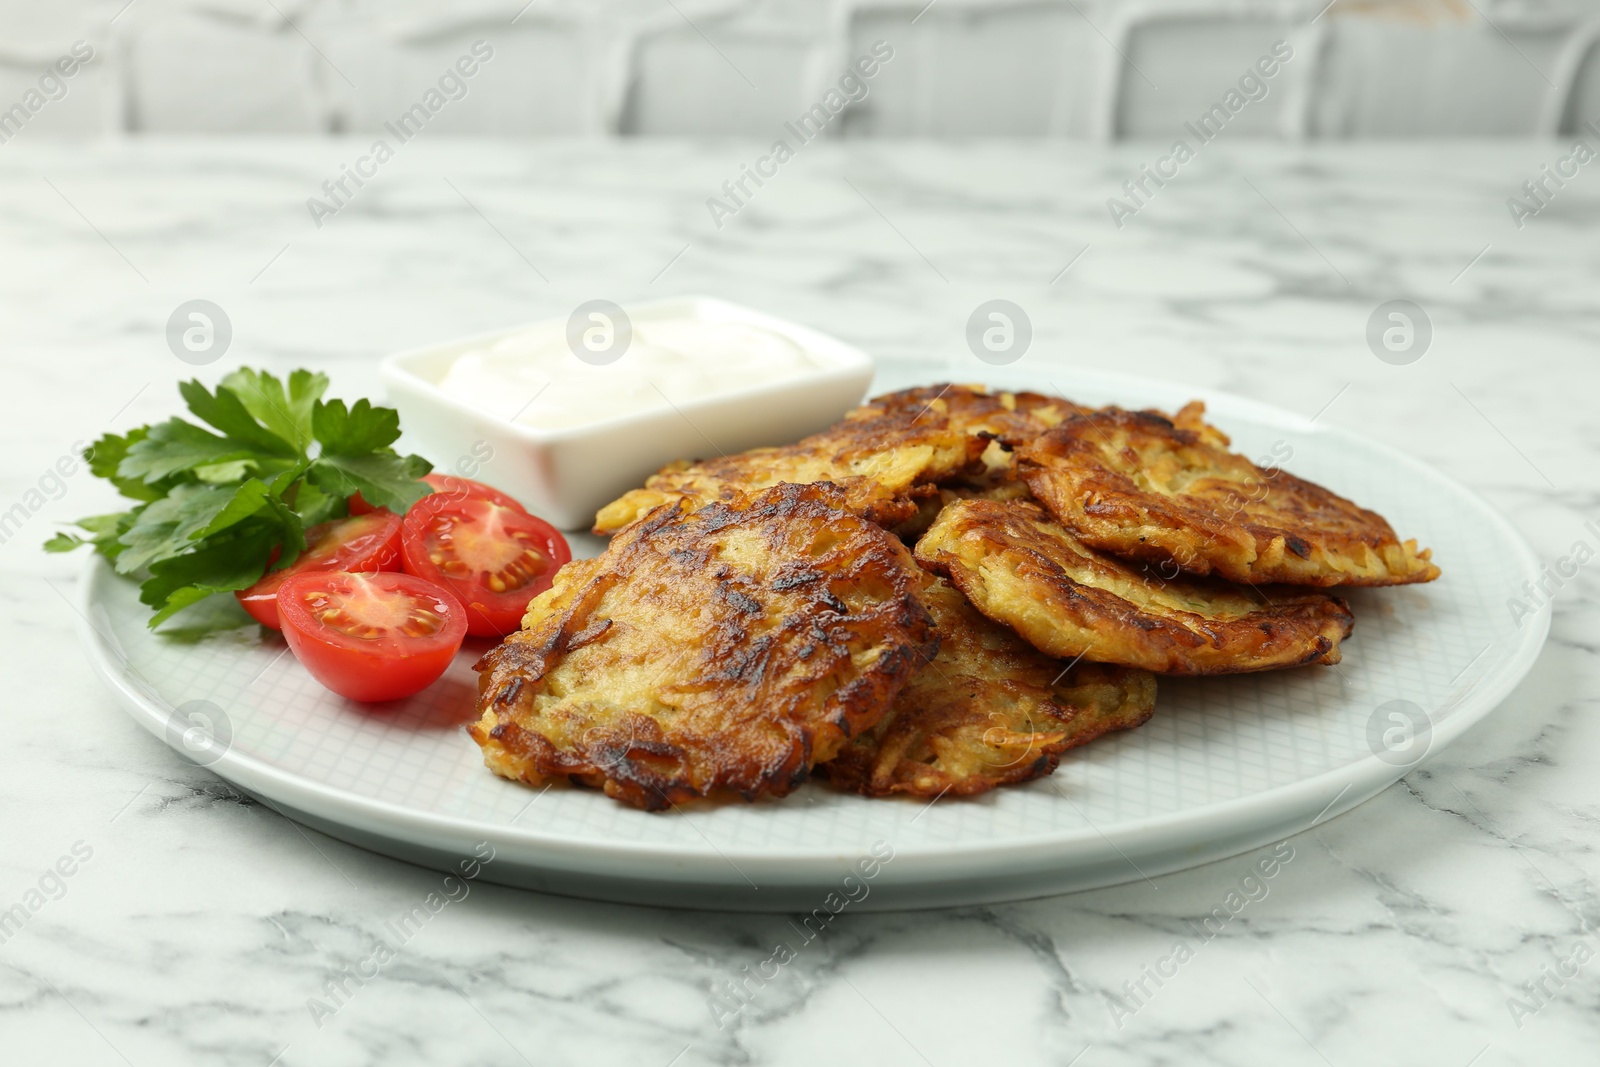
pixel 448 484
pixel 371 636
pixel 369 542
pixel 493 558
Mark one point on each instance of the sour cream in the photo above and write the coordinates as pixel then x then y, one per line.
pixel 535 377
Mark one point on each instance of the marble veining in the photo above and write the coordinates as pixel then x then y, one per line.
pixel 1439 923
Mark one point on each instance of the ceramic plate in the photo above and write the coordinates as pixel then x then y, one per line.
pixel 1226 765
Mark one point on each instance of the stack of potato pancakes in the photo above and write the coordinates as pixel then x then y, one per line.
pixel 939 594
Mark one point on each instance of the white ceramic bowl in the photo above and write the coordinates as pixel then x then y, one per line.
pixel 567 474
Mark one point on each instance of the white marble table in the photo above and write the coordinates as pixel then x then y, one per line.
pixel 200 925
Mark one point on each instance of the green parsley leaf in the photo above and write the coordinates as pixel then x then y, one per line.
pixel 222 473
pixel 103 530
pixel 104 456
pixel 356 459
pixel 166 527
pixel 233 561
pixel 313 505
pixel 383 479
pixel 286 412
pixel 358 429
pixel 227 412
pixel 173 447
pixel 248 499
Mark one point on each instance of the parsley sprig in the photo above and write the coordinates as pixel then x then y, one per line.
pixel 214 504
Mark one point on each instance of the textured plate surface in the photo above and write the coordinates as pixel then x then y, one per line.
pixel 1226 764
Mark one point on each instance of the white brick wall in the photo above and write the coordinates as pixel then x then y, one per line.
pixel 1113 68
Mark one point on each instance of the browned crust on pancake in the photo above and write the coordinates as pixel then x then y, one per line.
pixel 989 710
pixel 711 653
pixel 1021 568
pixel 878 454
pixel 1146 486
pixel 1012 417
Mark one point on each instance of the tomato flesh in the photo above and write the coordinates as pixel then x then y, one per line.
pixel 373 636
pixel 449 485
pixel 495 559
pixel 364 543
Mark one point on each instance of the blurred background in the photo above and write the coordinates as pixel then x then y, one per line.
pixel 1092 69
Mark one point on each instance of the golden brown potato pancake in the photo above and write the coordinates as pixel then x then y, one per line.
pixel 708 653
pixel 1167 490
pixel 884 454
pixel 1020 567
pixel 989 710
pixel 1014 418
pixel 878 454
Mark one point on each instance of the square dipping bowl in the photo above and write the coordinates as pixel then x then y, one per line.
pixel 565 474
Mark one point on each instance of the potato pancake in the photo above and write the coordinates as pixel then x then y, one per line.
pixel 989 710
pixel 1020 567
pixel 878 454
pixel 1014 418
pixel 1167 490
pixel 884 454
pixel 717 652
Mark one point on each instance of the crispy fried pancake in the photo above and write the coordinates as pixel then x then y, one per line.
pixel 878 454
pixel 1167 490
pixel 884 454
pixel 989 710
pixel 1014 418
pixel 708 653
pixel 1020 567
